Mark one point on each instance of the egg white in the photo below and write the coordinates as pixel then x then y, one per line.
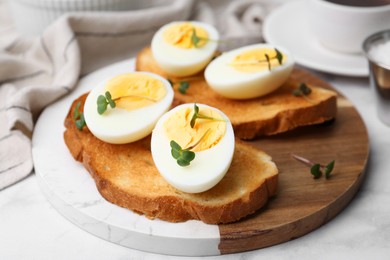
pixel 208 167
pixel 118 126
pixel 183 62
pixel 231 83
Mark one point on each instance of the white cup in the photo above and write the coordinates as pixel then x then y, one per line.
pixel 343 28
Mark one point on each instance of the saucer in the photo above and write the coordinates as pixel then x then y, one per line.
pixel 287 26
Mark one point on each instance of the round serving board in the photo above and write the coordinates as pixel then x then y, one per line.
pixel 301 205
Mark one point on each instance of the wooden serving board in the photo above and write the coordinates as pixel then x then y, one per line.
pixel 303 203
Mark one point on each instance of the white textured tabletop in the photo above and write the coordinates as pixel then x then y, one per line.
pixel 30 228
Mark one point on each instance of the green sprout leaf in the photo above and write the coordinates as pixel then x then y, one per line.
pixel 76 113
pixel 194 38
pixel 305 89
pixel 188 155
pixel 182 162
pixel 104 101
pixel 279 56
pixel 302 90
pixel 80 123
pixel 297 92
pixel 183 86
pixel 268 61
pixel 316 169
pixel 79 117
pixel 175 153
pixel 175 149
pixel 109 99
pixel 183 83
pixel 197 115
pixel 183 156
pixel 101 104
pixel 175 146
pixel 328 169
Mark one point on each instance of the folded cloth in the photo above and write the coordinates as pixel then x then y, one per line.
pixel 36 72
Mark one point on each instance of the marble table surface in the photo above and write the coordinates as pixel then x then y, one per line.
pixel 30 228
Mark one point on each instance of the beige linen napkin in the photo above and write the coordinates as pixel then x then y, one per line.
pixel 36 72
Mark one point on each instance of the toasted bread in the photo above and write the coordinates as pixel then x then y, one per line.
pixel 274 113
pixel 126 175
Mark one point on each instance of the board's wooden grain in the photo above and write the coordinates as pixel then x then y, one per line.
pixel 303 203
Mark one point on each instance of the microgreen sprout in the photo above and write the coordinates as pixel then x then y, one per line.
pixel 197 115
pixel 316 169
pixel 301 90
pixel 184 156
pixel 76 112
pixel 278 56
pixel 80 123
pixel 104 101
pixel 79 117
pixel 268 61
pixel 184 84
pixel 195 39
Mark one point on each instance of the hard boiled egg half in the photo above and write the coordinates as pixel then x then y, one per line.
pixel 184 48
pixel 212 141
pixel 140 97
pixel 250 71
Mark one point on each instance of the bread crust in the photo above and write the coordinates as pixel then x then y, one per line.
pixel 277 112
pixel 126 176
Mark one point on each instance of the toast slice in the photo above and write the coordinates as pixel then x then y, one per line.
pixel 274 113
pixel 126 176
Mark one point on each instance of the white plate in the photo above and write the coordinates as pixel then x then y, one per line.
pixel 287 26
pixel 72 191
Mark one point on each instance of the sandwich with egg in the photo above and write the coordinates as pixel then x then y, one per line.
pixel 184 164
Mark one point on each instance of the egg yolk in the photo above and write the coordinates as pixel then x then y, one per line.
pixel 132 91
pixel 255 60
pixel 178 128
pixel 179 35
